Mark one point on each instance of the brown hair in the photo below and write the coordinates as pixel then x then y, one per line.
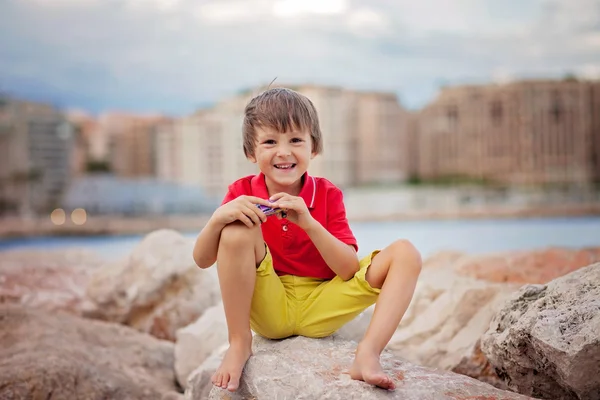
pixel 284 110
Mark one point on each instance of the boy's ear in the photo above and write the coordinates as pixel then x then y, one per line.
pixel 313 155
pixel 252 159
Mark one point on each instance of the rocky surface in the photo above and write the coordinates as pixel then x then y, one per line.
pixel 546 340
pixel 157 289
pixel 455 299
pixel 50 280
pixel 522 267
pixel 196 342
pixel 301 368
pixel 59 356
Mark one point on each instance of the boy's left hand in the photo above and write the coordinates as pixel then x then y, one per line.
pixel 295 208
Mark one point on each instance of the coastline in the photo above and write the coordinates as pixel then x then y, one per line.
pixel 15 228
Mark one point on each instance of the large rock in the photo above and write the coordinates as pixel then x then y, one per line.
pixel 45 355
pixel 51 280
pixel 456 297
pixel 196 342
pixel 157 289
pixel 302 368
pixel 546 340
pixel 539 266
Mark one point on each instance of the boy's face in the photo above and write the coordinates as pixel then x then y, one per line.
pixel 283 158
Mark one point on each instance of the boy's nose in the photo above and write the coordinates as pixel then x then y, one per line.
pixel 283 151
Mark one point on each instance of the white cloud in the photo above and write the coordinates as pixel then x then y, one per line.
pixel 292 8
pixel 175 54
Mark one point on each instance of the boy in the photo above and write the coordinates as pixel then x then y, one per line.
pixel 297 274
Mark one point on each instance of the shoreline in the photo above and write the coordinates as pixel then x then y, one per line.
pixel 21 228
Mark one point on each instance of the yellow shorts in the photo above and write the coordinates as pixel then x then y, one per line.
pixel 289 305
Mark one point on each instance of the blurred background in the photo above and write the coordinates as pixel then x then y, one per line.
pixel 472 125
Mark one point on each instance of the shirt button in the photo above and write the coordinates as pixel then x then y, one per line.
pixel 285 228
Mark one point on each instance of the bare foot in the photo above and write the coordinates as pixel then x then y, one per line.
pixel 229 372
pixel 366 367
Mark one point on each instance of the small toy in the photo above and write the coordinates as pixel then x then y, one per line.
pixel 268 211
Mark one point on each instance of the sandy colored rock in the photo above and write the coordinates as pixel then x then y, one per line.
pixel 302 368
pixel 200 378
pixel 546 339
pixel 51 280
pixel 61 356
pixel 157 289
pixel 197 341
pixel 527 266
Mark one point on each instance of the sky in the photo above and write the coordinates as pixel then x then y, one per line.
pixel 175 56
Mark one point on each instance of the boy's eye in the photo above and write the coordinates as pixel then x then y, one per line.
pixel 297 140
pixel 270 141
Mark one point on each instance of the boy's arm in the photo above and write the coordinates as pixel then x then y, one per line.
pixel 207 244
pixel 339 256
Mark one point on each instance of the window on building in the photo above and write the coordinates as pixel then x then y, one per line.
pixel 452 116
pixel 496 112
pixel 556 110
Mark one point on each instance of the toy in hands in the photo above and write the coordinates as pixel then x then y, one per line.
pixel 268 211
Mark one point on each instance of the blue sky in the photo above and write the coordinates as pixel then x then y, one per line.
pixel 174 56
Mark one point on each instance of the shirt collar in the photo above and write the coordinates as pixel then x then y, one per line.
pixel 308 191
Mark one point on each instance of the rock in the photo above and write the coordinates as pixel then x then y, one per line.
pixel 527 266
pixel 456 297
pixel 52 280
pixel 302 368
pixel 545 340
pixel 157 289
pixel 197 341
pixel 56 355
pixel 200 378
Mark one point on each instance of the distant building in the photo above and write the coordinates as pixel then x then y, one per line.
pixel 529 132
pixel 109 195
pixel 130 143
pixel 36 150
pixel 364 137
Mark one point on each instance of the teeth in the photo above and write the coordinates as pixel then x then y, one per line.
pixel 286 166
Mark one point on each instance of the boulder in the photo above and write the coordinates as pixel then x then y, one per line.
pixel 52 280
pixel 197 341
pixel 157 289
pixel 456 297
pixel 521 267
pixel 200 378
pixel 47 355
pixel 303 368
pixel 545 341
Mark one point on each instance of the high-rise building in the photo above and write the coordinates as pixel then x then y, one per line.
pixel 365 139
pixel 131 141
pixel 528 132
pixel 36 148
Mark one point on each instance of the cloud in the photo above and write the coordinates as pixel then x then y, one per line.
pixel 175 55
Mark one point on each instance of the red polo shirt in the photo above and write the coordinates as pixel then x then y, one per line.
pixel 292 250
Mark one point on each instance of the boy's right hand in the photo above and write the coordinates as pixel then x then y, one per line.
pixel 242 209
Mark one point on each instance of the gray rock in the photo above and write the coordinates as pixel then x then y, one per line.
pixel 60 356
pixel 303 368
pixel 545 341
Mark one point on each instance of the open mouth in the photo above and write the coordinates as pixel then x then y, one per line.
pixel 284 166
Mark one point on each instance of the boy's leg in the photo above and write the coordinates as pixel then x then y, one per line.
pixel 395 271
pixel 241 249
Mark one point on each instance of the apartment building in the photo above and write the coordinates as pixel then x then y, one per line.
pixel 365 135
pixel 381 141
pixel 205 148
pixel 528 132
pixel 36 148
pixel 131 141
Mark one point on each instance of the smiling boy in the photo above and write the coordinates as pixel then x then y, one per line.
pixel 298 275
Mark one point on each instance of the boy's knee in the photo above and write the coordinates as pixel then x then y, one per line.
pixel 238 234
pixel 403 249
